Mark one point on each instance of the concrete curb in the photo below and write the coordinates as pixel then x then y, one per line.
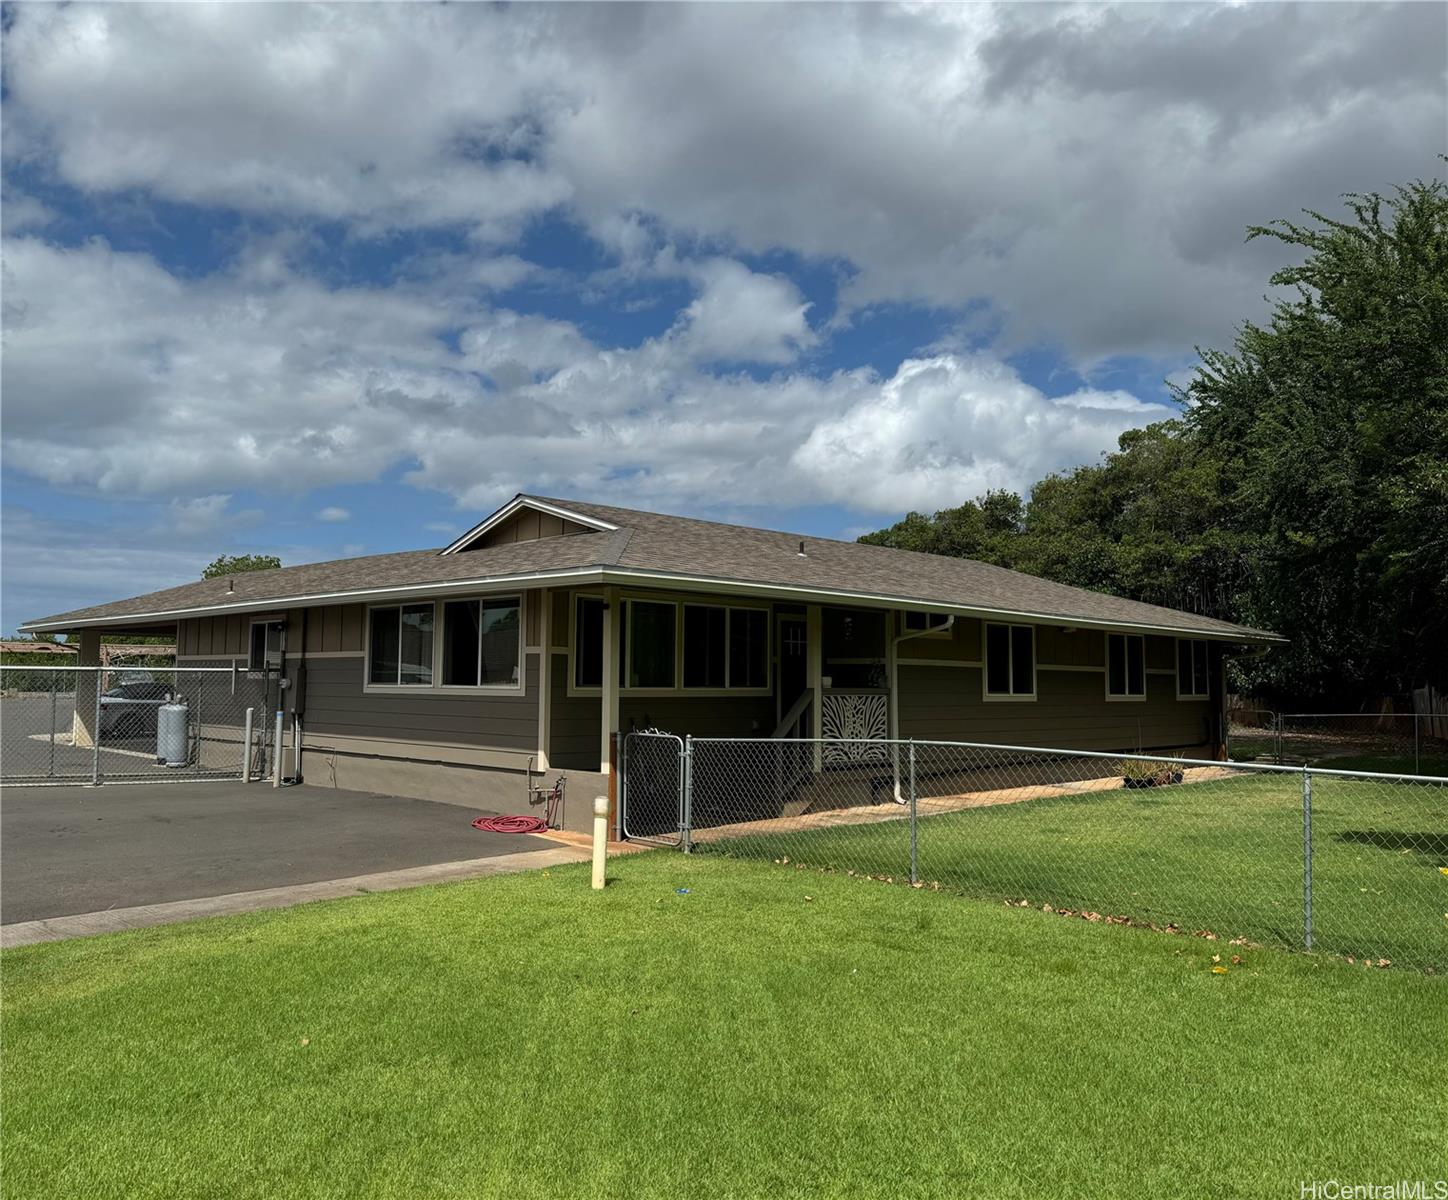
pixel 55 929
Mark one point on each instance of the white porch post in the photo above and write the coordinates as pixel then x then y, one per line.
pixel 612 625
pixel 545 676
pixel 815 668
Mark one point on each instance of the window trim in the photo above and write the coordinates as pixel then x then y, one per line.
pixel 437 687
pixel 1124 697
pixel 573 687
pixel 678 689
pixel 251 667
pixel 1008 697
pixel 626 610
pixel 1181 695
pixel 440 656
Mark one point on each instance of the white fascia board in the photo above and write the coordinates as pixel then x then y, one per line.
pixel 704 583
pixel 638 577
pixel 513 505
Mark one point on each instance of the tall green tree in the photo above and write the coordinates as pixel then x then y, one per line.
pixel 236 564
pixel 1332 422
pixel 1304 489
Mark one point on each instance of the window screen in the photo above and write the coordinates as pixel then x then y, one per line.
pixel 1010 660
pixel 651 644
pixel 748 648
pixel 1125 664
pixel 588 642
pixel 704 648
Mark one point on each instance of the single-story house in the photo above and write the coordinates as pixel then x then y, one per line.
pixel 539 635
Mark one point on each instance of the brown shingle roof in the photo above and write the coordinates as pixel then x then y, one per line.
pixel 654 545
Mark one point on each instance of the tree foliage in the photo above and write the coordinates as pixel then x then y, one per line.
pixel 1305 487
pixel 236 564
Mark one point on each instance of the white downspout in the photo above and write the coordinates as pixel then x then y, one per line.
pixel 895 695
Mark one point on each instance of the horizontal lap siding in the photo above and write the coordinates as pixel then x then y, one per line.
pixel 1071 710
pixel 577 723
pixel 337 705
pixel 702 716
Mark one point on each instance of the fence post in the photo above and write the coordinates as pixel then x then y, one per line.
pixel 914 840
pixel 687 815
pixel 1416 767
pixel 1307 858
pixel 96 731
pixel 53 682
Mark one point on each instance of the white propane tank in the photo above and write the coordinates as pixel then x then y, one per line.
pixel 173 733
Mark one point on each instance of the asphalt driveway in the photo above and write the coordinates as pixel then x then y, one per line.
pixel 66 850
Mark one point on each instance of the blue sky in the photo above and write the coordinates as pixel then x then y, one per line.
pixel 329 281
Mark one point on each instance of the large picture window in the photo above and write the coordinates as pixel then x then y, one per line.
pixel 1193 682
pixel 1125 666
pixel 481 640
pixel 588 642
pixel 1010 661
pixel 399 645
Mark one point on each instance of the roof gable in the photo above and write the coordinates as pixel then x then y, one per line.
pixel 526 519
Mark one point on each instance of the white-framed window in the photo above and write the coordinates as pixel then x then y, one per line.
pixel 649 649
pixel 1193 673
pixel 1010 662
pixel 264 649
pixel 482 642
pixel 932 624
pixel 587 643
pixel 400 644
pixel 1125 666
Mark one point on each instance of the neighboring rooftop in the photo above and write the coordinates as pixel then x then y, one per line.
pixel 602 543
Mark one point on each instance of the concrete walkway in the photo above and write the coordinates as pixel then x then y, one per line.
pixel 113 920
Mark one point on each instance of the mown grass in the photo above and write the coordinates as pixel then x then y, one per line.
pixel 1225 855
pixel 769 1032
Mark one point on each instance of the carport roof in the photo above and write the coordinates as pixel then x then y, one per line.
pixel 628 546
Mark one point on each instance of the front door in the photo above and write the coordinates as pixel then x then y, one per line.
pixel 793 642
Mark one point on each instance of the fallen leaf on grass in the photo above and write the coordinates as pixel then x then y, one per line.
pixel 306 1041
pixel 1219 970
pixel 809 899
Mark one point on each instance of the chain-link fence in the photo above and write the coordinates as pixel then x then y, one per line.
pixel 1386 742
pixel 127 724
pixel 1351 863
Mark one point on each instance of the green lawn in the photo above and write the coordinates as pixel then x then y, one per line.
pixel 773 1032
pixel 1224 855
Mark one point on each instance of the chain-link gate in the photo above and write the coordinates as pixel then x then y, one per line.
pixel 652 775
pixel 133 724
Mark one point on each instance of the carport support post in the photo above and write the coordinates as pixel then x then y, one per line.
pixel 84 727
pixel 1306 858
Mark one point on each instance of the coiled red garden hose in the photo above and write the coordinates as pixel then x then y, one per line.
pixel 511 825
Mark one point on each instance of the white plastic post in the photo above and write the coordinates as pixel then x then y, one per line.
pixel 246 747
pixel 277 749
pixel 600 840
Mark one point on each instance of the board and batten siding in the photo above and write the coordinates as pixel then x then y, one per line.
pixel 337 705
pixel 1071 711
